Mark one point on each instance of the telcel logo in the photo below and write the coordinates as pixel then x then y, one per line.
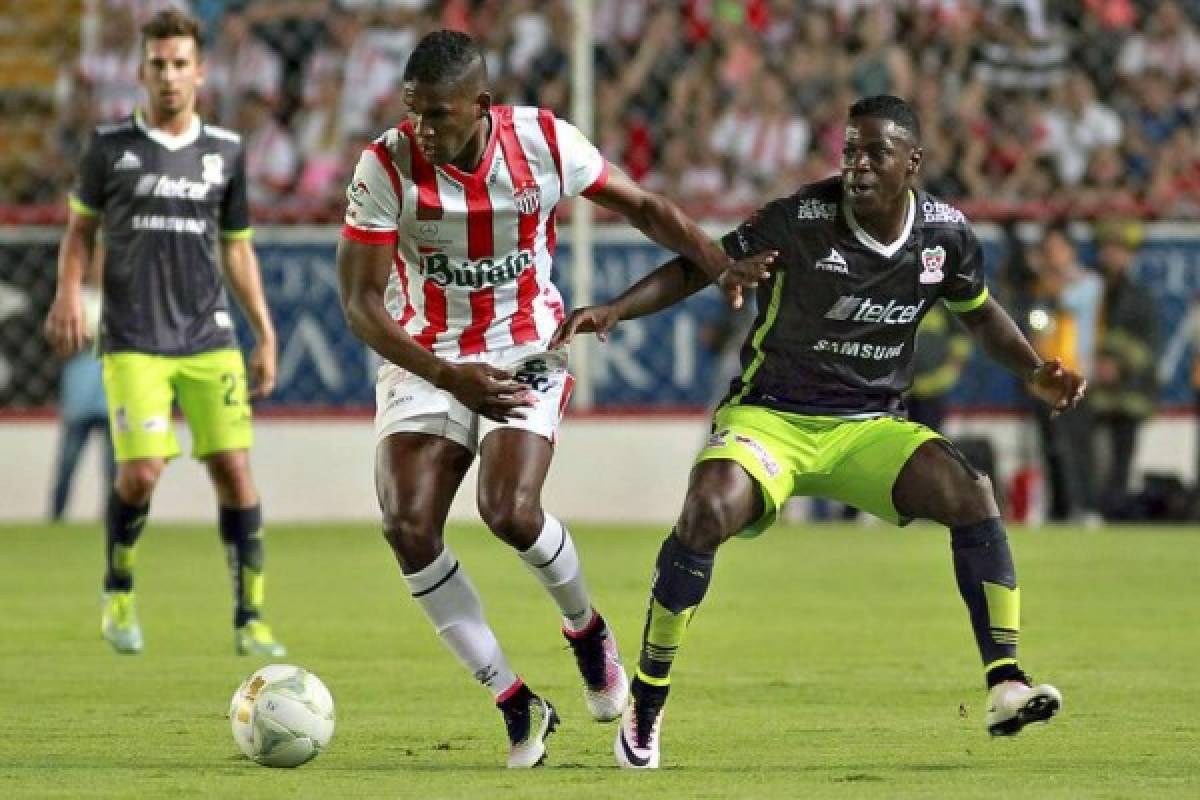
pixel 864 309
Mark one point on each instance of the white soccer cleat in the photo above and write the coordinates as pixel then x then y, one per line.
pixel 636 745
pixel 1014 704
pixel 529 720
pixel 605 685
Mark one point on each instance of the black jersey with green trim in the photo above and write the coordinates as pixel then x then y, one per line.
pixel 164 202
pixel 837 320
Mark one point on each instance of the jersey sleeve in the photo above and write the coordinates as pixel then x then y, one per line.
pixel 765 229
pixel 584 169
pixel 235 207
pixel 964 288
pixel 87 198
pixel 372 204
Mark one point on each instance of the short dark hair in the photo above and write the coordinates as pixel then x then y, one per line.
pixel 443 56
pixel 169 23
pixel 888 106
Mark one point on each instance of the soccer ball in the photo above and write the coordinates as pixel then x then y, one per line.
pixel 282 716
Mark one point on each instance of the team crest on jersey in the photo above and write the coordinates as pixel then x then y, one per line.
pixel 932 261
pixel 527 198
pixel 214 168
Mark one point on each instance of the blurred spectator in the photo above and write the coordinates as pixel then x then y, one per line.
pixel 239 62
pixel 111 67
pixel 1076 125
pixel 270 154
pixel 760 133
pixel 1124 385
pixel 941 351
pixel 81 406
pixel 1168 42
pixel 1017 52
pixel 365 71
pixel 320 143
pixel 1062 321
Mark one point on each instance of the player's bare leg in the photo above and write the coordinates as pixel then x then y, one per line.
pixel 239 519
pixel 939 484
pixel 416 478
pixel 512 472
pixel 124 520
pixel 722 499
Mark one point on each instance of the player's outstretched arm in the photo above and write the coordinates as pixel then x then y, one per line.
pixel 1001 339
pixel 362 279
pixel 241 269
pixel 675 280
pixel 65 326
pixel 663 222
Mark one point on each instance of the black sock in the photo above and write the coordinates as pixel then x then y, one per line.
pixel 681 578
pixel 987 581
pixel 123 524
pixel 241 531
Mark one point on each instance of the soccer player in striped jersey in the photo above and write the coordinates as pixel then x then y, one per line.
pixel 444 264
pixel 818 408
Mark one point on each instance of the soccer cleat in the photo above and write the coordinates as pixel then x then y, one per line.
pixel 1014 704
pixel 636 745
pixel 119 623
pixel 605 687
pixel 255 639
pixel 529 720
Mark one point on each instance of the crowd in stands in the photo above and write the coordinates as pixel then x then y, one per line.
pixel 1084 107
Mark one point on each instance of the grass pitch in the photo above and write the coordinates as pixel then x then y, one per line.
pixel 826 662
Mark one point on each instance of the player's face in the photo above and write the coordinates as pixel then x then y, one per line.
pixel 879 162
pixel 445 117
pixel 171 72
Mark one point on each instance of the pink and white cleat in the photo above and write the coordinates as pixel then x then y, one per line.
pixel 605 687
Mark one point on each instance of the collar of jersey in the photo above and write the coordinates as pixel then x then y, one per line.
pixel 171 141
pixel 485 161
pixel 869 241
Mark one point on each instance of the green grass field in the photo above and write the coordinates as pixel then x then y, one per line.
pixel 826 662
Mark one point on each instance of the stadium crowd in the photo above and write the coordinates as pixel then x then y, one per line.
pixel 1031 108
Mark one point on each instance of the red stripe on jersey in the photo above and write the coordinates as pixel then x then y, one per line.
pixel 368 236
pixel 523 327
pixel 402 273
pixel 522 181
pixel 385 158
pixel 429 202
pixel 599 183
pixel 483 311
pixel 546 123
pixel 479 220
pixel 435 314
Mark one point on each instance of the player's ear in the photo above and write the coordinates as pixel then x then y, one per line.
pixel 914 162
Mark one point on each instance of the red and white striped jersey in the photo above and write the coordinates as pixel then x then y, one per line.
pixel 473 252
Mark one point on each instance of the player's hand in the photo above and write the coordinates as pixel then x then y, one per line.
pixel 487 391
pixel 65 326
pixel 599 319
pixel 1057 386
pixel 745 273
pixel 262 369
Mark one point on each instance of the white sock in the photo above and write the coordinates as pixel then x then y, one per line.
pixel 448 598
pixel 553 559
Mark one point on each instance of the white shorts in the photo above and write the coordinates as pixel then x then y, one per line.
pixel 405 403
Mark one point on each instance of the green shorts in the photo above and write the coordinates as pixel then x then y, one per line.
pixel 852 461
pixel 210 389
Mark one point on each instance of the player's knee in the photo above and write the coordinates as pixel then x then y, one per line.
pixel 515 517
pixel 136 480
pixel 971 503
pixel 705 522
pixel 413 540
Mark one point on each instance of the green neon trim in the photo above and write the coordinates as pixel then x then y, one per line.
pixel 79 207
pixel 760 334
pixel 963 306
pixel 244 233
